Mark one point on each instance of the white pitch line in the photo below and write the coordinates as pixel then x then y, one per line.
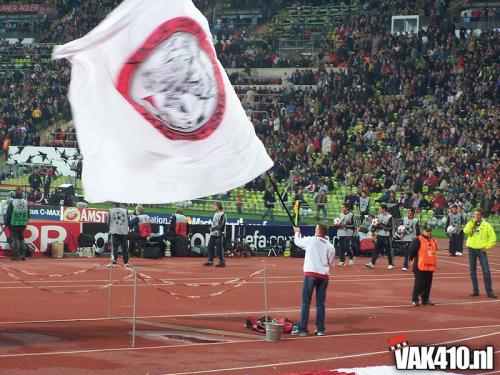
pixel 316 360
pixel 242 313
pixel 310 360
pixel 68 352
pixel 469 338
pixel 128 285
pixel 464 264
pixel 210 280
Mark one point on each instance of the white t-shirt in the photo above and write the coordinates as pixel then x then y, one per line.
pixel 320 254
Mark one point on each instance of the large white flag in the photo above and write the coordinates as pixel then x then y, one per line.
pixel 156 116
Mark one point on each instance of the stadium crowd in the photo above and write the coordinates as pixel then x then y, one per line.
pixel 410 113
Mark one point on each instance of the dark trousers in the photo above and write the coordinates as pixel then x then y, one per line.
pixel 405 247
pixel 355 245
pixel 216 248
pixel 117 241
pixel 460 244
pixel 310 284
pixel 345 247
pixel 17 243
pixel 422 285
pixel 485 267
pixel 321 208
pixel 270 212
pixel 135 244
pixel 382 245
pixel 456 243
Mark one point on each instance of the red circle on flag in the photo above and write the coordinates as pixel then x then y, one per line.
pixel 174 81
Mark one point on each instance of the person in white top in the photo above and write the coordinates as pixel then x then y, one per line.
pixel 320 256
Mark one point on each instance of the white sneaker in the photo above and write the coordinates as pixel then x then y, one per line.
pixel 404 269
pixel 341 264
pixel 390 267
pixel 458 253
pixel 351 262
pixel 296 332
pixel 127 265
pixel 370 265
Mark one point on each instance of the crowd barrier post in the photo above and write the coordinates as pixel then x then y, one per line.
pixel 109 289
pixel 134 308
pixel 266 313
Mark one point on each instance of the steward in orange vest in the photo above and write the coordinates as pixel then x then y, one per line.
pixel 423 253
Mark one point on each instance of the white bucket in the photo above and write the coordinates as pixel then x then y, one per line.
pixel 274 331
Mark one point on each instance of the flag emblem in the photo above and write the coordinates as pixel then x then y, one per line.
pixel 174 81
pixel 397 342
pixel 157 118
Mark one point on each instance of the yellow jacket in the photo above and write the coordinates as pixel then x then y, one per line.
pixel 480 237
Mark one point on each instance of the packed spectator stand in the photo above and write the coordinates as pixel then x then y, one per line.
pixel 409 117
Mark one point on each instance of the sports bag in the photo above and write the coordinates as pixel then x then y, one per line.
pixel 260 324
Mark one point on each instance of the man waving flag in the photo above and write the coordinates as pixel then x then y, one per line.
pixel 157 119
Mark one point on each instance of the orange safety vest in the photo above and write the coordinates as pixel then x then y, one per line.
pixel 427 254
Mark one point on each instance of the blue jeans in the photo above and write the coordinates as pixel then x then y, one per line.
pixel 485 266
pixel 311 283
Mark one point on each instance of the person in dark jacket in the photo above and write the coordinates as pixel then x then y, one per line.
pixel 35 180
pixel 383 230
pixel 16 219
pixel 118 228
pixel 217 233
pixel 455 224
pixel 345 231
pixel 269 201
pixel 423 253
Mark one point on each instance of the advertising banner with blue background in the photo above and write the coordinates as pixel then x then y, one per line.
pixel 51 213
